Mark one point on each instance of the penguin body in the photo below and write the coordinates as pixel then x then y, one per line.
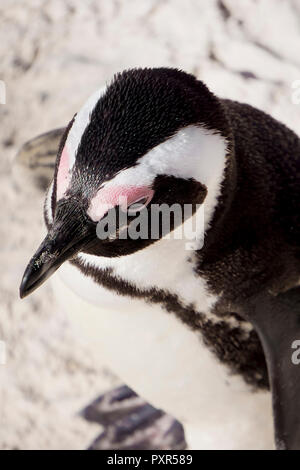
pixel 169 366
pixel 180 320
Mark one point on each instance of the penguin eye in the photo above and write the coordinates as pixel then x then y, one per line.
pixel 137 205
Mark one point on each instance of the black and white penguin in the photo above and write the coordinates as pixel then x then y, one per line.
pixel 203 327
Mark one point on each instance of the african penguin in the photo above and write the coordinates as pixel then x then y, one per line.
pixel 200 326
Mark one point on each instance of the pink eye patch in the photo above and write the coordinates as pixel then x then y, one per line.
pixel 63 174
pixel 109 197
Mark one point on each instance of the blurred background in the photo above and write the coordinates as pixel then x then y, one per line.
pixel 53 55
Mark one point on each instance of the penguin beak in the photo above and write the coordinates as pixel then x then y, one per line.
pixel 69 233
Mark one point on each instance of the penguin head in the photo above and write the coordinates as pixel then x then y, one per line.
pixel 152 137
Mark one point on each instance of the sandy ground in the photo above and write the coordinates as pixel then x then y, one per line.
pixel 53 54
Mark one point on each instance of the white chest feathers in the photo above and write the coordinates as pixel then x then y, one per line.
pixel 167 364
pixel 165 265
pixel 160 357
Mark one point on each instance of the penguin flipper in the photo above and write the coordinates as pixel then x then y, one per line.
pixel 36 159
pixel 131 423
pixel 277 321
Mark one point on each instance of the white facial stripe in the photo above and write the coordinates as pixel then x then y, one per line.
pixel 81 121
pixel 47 205
pixel 193 152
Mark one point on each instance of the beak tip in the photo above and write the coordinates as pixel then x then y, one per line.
pixel 24 290
pixel 22 293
